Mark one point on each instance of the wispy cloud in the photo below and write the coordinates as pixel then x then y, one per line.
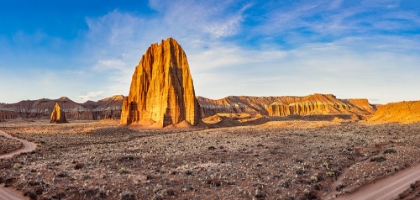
pixel 89 96
pixel 117 40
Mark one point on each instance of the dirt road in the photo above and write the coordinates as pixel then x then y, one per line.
pixel 9 193
pixel 388 188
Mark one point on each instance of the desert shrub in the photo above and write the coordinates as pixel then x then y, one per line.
pixel 314 178
pixel 30 194
pixel 128 196
pixel 389 151
pixel 171 192
pixel 8 182
pixel 17 166
pixel 300 171
pixel 260 194
pixel 330 174
pixel 212 148
pixel 123 171
pixel 378 159
pixel 62 174
pixel 214 182
pixel 325 164
pixel 339 187
pixel 78 166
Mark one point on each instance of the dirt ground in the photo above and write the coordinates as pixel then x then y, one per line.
pixel 275 160
pixel 8 145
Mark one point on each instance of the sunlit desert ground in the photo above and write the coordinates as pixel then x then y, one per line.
pixel 274 160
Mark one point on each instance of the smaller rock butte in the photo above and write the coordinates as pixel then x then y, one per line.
pixel 161 91
pixel 58 115
pixel 407 111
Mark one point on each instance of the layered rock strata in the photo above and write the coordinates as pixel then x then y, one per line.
pixel 316 104
pixel 108 108
pixel 161 91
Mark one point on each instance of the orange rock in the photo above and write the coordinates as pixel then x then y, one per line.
pixel 161 91
pixel 58 115
pixel 407 111
pixel 315 104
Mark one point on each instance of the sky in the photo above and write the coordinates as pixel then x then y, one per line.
pixel 87 50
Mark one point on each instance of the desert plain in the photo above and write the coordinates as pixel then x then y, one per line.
pixel 281 158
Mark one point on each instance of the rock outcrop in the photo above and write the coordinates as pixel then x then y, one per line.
pixel 58 115
pixel 407 111
pixel 108 108
pixel 316 104
pixel 161 91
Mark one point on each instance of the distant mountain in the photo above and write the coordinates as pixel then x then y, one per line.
pixel 108 108
pixel 315 104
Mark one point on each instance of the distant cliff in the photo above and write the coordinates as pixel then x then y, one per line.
pixel 316 104
pixel 109 108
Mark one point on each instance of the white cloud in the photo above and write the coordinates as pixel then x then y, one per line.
pixel 196 17
pixel 346 66
pixel 89 96
pixel 110 64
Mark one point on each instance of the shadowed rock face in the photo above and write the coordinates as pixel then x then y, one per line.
pixel 161 91
pixel 58 115
pixel 408 111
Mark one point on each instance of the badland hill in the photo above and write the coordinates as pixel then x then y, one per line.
pixel 108 108
pixel 161 91
pixel 407 111
pixel 315 104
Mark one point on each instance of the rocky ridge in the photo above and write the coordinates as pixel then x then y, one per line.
pixel 406 111
pixel 315 104
pixel 108 108
pixel 161 91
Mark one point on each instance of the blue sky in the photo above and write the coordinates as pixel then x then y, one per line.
pixel 87 50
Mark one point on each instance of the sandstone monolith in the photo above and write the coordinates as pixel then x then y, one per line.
pixel 161 91
pixel 58 115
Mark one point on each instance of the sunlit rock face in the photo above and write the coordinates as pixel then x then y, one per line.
pixel 161 91
pixel 314 104
pixel 58 115
pixel 406 111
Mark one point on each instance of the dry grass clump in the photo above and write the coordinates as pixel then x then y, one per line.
pixel 8 145
pixel 288 159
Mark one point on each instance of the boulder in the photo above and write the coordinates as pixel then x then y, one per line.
pixel 161 91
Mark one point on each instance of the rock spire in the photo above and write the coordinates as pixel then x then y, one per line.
pixel 58 115
pixel 161 91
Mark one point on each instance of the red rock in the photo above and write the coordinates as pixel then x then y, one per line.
pixel 161 91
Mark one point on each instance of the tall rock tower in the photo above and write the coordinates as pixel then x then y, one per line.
pixel 161 91
pixel 58 115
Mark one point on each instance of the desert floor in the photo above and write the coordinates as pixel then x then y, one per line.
pixel 275 160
